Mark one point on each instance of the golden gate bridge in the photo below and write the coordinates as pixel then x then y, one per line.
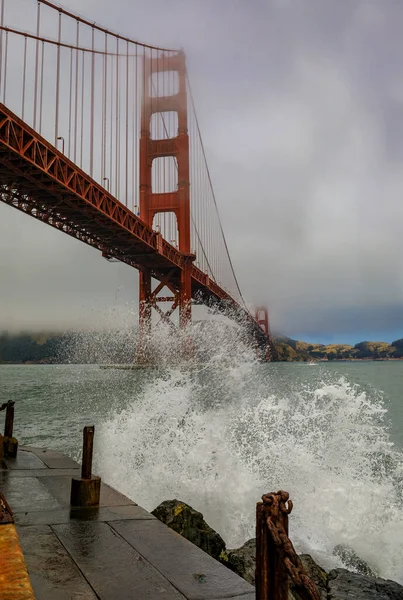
pixel 99 138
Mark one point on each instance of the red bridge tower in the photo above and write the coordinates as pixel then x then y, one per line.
pixel 177 202
pixel 262 317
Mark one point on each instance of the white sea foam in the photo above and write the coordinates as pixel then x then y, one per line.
pixel 221 435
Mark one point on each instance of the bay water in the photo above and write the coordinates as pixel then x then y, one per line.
pixel 221 434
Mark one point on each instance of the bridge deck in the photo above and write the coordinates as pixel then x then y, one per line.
pixel 40 181
pixel 119 551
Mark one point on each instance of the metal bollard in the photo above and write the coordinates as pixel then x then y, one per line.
pixel 86 491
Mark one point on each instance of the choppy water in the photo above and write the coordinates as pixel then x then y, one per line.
pixel 219 436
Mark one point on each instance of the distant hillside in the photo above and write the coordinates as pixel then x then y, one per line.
pixel 294 350
pixel 26 347
pixel 57 348
pixel 119 347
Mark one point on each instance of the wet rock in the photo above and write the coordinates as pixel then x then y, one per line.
pixel 190 523
pixel 315 574
pixel 242 560
pixel 351 560
pixel 343 584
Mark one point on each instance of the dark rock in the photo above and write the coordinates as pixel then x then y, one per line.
pixel 190 523
pixel 315 574
pixel 351 560
pixel 242 560
pixel 343 584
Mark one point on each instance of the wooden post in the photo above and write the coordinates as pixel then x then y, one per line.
pixel 86 491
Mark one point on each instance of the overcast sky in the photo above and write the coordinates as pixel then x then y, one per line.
pixel 300 106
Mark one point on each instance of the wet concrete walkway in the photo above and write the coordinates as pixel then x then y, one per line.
pixel 116 552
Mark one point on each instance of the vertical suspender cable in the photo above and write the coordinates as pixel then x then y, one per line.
pixel 24 75
pixel 170 161
pixel 111 133
pixel 76 94
pixel 92 105
pixel 104 103
pixel 117 170
pixel 160 220
pixel 38 23
pixel 143 102
pixel 135 133
pixel 210 184
pixel 82 108
pixel 58 79
pixel 1 40
pixel 70 100
pixel 127 125
pixel 198 190
pixel 5 68
pixel 156 163
pixel 41 88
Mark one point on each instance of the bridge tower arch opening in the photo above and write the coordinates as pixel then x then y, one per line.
pixel 165 190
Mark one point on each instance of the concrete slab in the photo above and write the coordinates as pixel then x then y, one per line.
pixel 24 460
pixel 46 472
pixel 53 573
pixel 242 597
pixel 64 515
pixel 111 565
pixel 60 488
pixel 193 572
pixel 51 458
pixel 25 493
pixel 116 551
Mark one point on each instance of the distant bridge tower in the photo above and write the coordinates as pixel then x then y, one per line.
pixel 269 353
pixel 177 201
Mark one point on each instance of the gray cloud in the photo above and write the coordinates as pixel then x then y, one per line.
pixel 300 106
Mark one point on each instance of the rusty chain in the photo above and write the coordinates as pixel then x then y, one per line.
pixel 276 506
pixel 6 514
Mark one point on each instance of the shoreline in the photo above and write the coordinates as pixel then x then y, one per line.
pixel 129 366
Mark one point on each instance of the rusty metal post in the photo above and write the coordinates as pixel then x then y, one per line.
pixel 9 424
pixel 262 582
pixel 88 445
pixel 271 579
pixel 10 444
pixel 276 558
pixel 86 491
